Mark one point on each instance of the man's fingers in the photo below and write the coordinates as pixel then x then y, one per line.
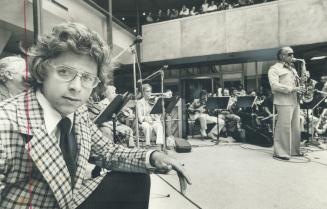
pixel 181 171
pixel 182 182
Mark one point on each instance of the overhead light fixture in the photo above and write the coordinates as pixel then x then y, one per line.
pixel 318 58
pixel 143 13
pixel 123 18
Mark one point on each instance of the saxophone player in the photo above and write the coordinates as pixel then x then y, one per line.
pixel 283 80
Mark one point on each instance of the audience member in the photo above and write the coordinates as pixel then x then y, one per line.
pixel 184 12
pixel 224 5
pixel 212 7
pixel 174 14
pixel 193 11
pixel 149 18
pixel 159 16
pixel 168 14
pixel 12 76
pixel 205 6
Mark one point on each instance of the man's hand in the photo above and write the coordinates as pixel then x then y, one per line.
pixel 299 89
pixel 166 163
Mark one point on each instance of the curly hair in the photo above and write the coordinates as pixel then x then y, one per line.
pixel 8 64
pixel 68 36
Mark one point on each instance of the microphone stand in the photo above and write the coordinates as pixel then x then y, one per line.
pixel 131 47
pixel 137 134
pixel 164 148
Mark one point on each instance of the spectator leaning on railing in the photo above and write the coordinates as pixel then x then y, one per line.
pixel 212 7
pixel 205 6
pixel 184 12
pixel 193 11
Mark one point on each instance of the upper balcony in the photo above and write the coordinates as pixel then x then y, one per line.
pixel 13 31
pixel 252 32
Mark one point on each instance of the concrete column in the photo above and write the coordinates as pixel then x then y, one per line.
pixel 4 38
pixel 109 26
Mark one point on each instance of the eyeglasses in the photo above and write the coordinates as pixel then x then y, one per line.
pixel 290 54
pixel 67 74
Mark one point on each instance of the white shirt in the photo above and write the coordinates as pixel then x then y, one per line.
pixel 51 116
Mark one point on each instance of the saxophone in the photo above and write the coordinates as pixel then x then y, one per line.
pixel 307 82
pixel 321 127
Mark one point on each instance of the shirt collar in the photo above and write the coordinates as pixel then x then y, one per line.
pixel 51 116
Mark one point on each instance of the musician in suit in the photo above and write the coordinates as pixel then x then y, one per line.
pixel 149 122
pixel 47 137
pixel 284 83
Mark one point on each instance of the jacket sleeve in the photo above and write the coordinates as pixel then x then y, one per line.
pixel 276 86
pixel 108 155
pixel 3 166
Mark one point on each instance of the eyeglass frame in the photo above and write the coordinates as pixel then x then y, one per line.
pixel 77 73
pixel 290 54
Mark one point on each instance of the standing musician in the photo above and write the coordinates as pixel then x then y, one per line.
pixel 284 82
pixel 199 112
pixel 149 122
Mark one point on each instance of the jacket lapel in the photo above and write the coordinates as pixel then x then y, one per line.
pixel 81 135
pixel 44 150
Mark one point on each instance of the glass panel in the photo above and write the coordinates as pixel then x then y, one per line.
pixel 250 76
pixel 263 81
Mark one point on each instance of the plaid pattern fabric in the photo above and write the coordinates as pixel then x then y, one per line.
pixel 39 165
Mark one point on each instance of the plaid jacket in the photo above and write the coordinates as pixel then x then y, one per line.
pixel 32 169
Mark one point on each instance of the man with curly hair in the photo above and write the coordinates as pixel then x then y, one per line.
pixel 47 137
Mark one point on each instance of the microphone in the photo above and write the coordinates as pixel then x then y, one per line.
pixel 298 60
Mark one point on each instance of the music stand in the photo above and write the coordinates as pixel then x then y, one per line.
pixel 245 101
pixel 169 105
pixel 216 104
pixel 111 111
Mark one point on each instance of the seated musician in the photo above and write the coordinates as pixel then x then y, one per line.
pixel 267 109
pixel 149 122
pixel 304 120
pixel 239 91
pixel 321 126
pixel 107 128
pixel 198 112
pixel 232 120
